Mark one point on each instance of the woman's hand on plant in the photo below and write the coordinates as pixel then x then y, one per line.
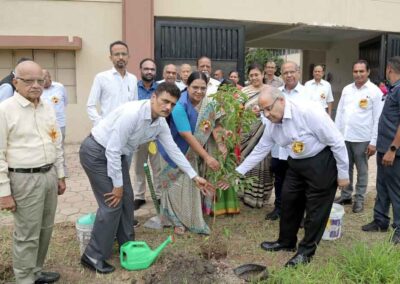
pixel 205 187
pixel 212 163
pixel 223 184
pixel 222 148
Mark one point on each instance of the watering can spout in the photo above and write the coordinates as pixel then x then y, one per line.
pixel 157 251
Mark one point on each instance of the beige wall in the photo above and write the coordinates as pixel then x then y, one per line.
pixel 98 23
pixel 361 14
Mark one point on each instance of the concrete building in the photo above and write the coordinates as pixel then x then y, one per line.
pixel 71 38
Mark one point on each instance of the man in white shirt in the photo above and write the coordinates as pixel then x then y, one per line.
pixel 184 72
pixel 320 90
pixel 293 90
pixel 103 157
pixel 269 77
pixel 317 164
pixel 204 65
pixel 114 87
pixel 357 118
pixel 170 75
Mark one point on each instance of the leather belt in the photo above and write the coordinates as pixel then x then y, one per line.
pixel 42 169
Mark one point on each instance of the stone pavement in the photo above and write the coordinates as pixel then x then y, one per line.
pixel 79 199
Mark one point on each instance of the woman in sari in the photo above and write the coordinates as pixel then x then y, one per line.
pixel 262 186
pixel 192 123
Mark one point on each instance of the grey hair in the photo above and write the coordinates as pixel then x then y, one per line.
pixel 296 66
pixel 273 92
pixel 170 64
pixel 394 63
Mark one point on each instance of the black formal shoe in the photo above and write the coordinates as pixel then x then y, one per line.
pixel 273 215
pixel 298 259
pixel 47 277
pixel 100 266
pixel 358 207
pixel 342 201
pixel 275 246
pixel 137 203
pixel 136 223
pixel 396 237
pixel 374 227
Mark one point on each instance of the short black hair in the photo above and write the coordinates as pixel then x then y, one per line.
pixel 233 71
pixel 118 42
pixel 394 63
pixel 362 61
pixel 144 60
pixel 170 88
pixel 196 75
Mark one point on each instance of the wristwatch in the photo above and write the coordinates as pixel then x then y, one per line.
pixel 393 148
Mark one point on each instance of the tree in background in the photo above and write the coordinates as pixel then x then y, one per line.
pixel 261 56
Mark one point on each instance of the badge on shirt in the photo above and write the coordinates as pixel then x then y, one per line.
pixel 53 134
pixel 55 100
pixel 297 147
pixel 322 96
pixel 152 148
pixel 363 103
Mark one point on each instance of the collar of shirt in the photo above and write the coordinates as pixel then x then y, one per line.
pixel 353 85
pixel 23 101
pixel 153 85
pixel 397 83
pixel 147 114
pixel 296 89
pixel 287 114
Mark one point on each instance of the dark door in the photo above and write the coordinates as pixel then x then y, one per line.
pixel 181 42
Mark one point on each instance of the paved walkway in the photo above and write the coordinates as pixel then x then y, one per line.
pixel 79 200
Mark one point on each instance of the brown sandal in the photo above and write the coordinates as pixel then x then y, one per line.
pixel 179 230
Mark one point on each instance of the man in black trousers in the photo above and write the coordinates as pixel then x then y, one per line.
pixel 317 164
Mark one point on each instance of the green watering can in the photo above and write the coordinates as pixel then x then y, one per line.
pixel 138 255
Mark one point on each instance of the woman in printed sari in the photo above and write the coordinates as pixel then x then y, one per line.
pixel 262 187
pixel 192 123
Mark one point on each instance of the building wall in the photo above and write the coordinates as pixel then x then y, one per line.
pixel 361 14
pixel 98 23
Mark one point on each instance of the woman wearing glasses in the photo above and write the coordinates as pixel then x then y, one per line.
pixel 262 187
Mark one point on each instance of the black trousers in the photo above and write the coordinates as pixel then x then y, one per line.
pixel 310 185
pixel 278 168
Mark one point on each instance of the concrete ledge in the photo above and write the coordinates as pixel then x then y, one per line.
pixel 40 42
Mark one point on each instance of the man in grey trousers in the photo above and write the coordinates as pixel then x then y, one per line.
pixel 103 157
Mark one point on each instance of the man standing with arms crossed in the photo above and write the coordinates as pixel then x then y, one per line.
pixel 31 172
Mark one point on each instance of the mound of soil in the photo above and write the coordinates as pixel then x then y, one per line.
pixel 215 246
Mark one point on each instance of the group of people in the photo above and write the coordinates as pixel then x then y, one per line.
pixel 294 147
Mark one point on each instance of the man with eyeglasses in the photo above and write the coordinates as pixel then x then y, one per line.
pixel 317 164
pixel 6 86
pixel 146 87
pixel 114 87
pixel 31 172
pixel 270 78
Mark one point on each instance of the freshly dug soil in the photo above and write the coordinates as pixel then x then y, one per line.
pixel 215 246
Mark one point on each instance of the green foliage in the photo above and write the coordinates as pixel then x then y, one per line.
pixel 261 56
pixel 375 264
pixel 235 119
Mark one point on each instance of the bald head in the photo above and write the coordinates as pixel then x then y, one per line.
pixel 29 80
pixel 170 73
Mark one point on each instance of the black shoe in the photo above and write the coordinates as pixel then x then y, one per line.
pixel 47 277
pixel 342 201
pixel 358 207
pixel 100 266
pixel 137 203
pixel 273 215
pixel 396 237
pixel 136 223
pixel 374 227
pixel 298 259
pixel 275 246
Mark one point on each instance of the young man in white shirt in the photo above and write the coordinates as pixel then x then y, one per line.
pixel 114 87
pixel 357 118
pixel 317 164
pixel 320 90
pixel 103 157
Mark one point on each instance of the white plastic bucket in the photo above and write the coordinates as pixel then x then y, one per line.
pixel 333 229
pixel 84 226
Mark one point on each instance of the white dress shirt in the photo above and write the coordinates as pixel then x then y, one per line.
pixel 179 84
pixel 358 112
pixel 319 92
pixel 6 91
pixel 212 86
pixel 298 93
pixel 56 96
pixel 306 123
pixel 111 90
pixel 129 126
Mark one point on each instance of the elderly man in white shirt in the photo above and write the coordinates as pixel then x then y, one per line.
pixel 204 66
pixel 114 87
pixel 317 164
pixel 103 157
pixel 357 118
pixel 320 90
pixel 170 75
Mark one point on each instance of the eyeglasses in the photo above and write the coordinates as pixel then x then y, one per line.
pixel 118 54
pixel 30 82
pixel 268 109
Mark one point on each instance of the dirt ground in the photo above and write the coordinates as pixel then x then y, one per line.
pixel 181 261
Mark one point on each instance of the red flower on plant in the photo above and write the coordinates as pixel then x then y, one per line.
pixel 205 125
